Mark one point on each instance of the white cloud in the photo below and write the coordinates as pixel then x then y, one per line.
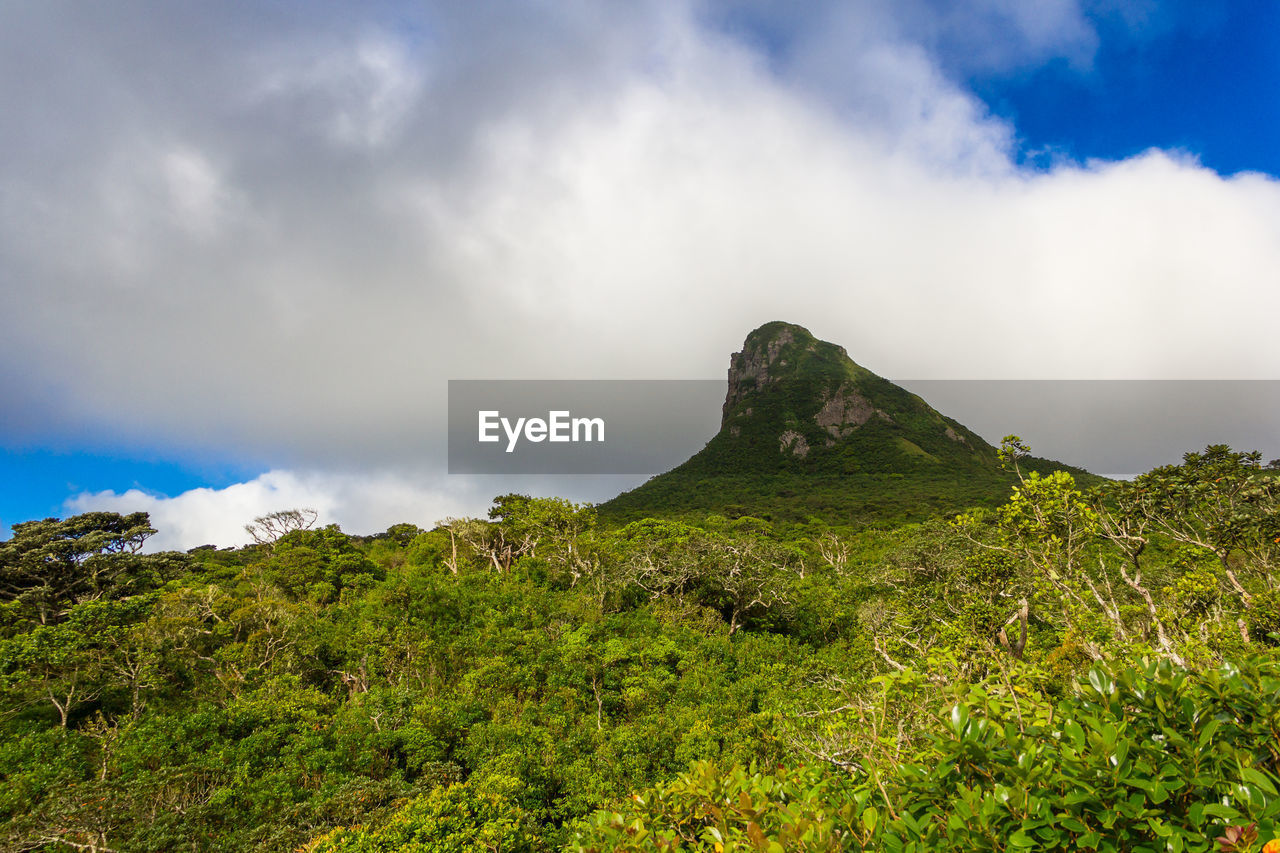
pixel 361 503
pixel 278 237
pixel 195 190
pixel 356 93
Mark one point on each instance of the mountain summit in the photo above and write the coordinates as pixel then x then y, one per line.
pixel 807 396
pixel 807 432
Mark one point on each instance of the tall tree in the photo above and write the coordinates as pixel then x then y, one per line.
pixel 50 565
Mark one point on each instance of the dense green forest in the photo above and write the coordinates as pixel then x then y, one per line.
pixel 1082 667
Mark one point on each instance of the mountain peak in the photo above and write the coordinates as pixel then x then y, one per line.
pixel 778 352
pixel 793 391
pixel 807 433
pixel 776 329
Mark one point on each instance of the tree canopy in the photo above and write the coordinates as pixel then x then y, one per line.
pixel 1083 666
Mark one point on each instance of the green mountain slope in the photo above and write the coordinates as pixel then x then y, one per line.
pixel 806 432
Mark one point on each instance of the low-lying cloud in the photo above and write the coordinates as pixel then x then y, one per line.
pixel 362 503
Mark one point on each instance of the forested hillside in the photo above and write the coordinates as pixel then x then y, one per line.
pixel 1076 669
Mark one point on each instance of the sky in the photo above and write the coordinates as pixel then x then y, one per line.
pixel 244 246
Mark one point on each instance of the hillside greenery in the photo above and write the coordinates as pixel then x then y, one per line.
pixel 1079 666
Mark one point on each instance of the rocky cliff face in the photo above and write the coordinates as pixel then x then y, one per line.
pixel 755 367
pixel 845 410
pixel 777 352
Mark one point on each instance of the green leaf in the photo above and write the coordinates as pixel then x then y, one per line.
pixel 1208 732
pixel 1255 776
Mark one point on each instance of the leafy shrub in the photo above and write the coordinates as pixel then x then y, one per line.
pixel 1139 758
pixel 706 808
pixel 469 816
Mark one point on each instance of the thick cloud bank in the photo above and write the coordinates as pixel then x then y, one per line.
pixel 244 230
